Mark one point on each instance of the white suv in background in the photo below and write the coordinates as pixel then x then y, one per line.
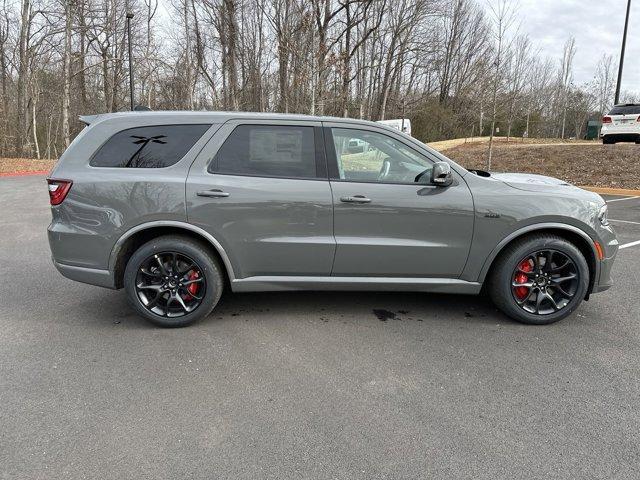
pixel 621 124
pixel 402 124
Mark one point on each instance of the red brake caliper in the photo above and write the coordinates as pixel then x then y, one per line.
pixel 192 288
pixel 522 292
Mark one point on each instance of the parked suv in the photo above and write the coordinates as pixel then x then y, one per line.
pixel 174 207
pixel 621 124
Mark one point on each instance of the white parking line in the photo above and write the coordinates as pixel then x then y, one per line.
pixel 627 245
pixel 621 199
pixel 624 221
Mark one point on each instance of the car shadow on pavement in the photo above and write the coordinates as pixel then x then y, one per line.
pixel 108 307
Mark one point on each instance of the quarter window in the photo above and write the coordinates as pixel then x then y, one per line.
pixel 365 156
pixel 148 147
pixel 267 150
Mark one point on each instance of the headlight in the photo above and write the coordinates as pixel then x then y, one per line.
pixel 602 215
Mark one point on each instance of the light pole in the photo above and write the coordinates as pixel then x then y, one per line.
pixel 129 17
pixel 624 44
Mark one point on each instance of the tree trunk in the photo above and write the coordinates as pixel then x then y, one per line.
pixel 66 75
pixel 23 67
pixel 232 29
pixel 188 76
pixel 34 127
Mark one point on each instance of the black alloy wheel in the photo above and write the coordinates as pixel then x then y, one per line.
pixel 539 279
pixel 170 284
pixel 173 280
pixel 544 282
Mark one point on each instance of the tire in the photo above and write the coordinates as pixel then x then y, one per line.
pixel 503 281
pixel 206 272
pixel 608 141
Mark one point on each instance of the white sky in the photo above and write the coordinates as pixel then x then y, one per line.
pixel 597 26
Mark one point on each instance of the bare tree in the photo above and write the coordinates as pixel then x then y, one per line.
pixel 604 83
pixel 452 66
pixel 518 65
pixel 503 17
pixel 566 77
pixel 4 73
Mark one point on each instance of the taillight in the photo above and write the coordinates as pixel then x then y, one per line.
pixel 58 190
pixel 606 120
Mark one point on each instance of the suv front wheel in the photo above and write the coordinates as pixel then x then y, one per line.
pixel 173 281
pixel 539 280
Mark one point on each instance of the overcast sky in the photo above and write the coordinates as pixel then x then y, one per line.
pixel 597 26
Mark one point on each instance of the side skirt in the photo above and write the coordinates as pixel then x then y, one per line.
pixel 288 283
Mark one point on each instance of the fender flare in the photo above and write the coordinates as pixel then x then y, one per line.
pixel 531 229
pixel 115 251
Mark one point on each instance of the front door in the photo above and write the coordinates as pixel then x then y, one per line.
pixel 261 189
pixel 385 223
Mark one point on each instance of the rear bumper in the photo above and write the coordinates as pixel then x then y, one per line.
pixel 622 137
pixel 71 251
pixel 92 276
pixel 621 133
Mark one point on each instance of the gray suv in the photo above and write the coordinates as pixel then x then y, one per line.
pixel 174 207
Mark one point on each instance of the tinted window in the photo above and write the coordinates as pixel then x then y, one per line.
pixel 374 157
pixel 148 147
pixel 625 110
pixel 265 150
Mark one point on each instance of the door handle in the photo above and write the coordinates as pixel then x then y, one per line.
pixel 215 193
pixel 355 199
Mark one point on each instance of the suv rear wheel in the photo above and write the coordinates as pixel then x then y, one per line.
pixel 173 281
pixel 539 280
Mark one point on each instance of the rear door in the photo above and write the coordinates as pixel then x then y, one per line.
pixel 386 224
pixel 261 189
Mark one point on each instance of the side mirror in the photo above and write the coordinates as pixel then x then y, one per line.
pixel 441 174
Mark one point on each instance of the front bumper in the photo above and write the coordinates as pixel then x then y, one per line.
pixel 605 281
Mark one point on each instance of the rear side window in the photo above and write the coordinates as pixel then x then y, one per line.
pixel 148 147
pixel 267 150
pixel 625 110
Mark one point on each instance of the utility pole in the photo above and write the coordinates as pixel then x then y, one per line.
pixel 624 44
pixel 129 17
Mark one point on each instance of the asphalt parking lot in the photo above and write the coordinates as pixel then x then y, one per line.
pixel 309 385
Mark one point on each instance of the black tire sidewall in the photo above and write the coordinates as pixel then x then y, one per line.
pixel 500 288
pixel 198 253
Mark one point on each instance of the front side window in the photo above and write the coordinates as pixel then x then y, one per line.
pixel 148 147
pixel 365 156
pixel 267 150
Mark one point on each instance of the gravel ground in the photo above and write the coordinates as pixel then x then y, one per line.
pixel 11 165
pixel 597 165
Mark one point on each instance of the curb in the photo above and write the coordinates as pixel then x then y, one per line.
pixel 614 191
pixel 24 173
